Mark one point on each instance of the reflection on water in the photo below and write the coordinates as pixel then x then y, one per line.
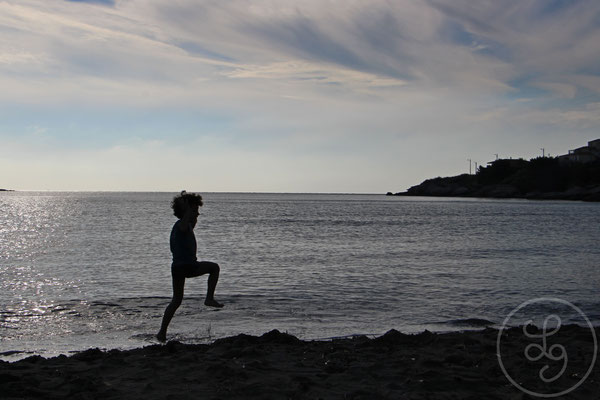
pixel 83 270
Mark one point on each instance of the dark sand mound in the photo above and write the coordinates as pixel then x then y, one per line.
pixel 280 366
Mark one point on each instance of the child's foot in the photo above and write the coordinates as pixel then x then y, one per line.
pixel 213 303
pixel 161 337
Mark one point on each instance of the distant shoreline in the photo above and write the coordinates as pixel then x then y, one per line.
pixel 542 178
pixel 498 192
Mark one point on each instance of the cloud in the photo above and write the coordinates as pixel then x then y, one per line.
pixel 391 40
pixel 563 90
pixel 181 41
pixel 188 47
pixel 304 38
pixel 103 2
pixel 544 41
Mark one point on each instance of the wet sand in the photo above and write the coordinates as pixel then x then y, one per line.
pixel 460 365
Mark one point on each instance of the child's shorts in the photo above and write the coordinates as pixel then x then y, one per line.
pixel 192 269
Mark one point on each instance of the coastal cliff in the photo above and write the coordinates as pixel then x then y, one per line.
pixel 547 178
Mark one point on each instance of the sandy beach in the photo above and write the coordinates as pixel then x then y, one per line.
pixel 460 365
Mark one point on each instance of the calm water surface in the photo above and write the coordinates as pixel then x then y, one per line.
pixel 81 270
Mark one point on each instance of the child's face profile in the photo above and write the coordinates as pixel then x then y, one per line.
pixel 193 212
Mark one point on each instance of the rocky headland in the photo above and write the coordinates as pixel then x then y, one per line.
pixel 542 178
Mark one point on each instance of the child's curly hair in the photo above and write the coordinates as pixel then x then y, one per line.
pixel 184 200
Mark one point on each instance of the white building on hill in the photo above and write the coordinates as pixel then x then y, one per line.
pixel 586 154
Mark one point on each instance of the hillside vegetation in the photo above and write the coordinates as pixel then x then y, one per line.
pixel 538 178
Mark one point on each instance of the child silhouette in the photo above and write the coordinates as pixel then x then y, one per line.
pixel 185 263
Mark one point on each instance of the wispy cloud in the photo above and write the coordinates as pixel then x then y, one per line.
pixel 183 42
pixel 496 46
pixel 547 43
pixel 104 2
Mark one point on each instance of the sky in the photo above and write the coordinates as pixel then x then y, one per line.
pixel 351 96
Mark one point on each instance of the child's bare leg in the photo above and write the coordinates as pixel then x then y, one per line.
pixel 213 278
pixel 178 285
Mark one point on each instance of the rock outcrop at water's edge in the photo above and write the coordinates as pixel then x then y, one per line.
pixel 543 178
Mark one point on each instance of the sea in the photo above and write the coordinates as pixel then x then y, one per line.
pixel 82 270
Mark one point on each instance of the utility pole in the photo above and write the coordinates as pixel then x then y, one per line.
pixel 496 156
pixel 475 167
pixel 543 152
pixel 469 160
